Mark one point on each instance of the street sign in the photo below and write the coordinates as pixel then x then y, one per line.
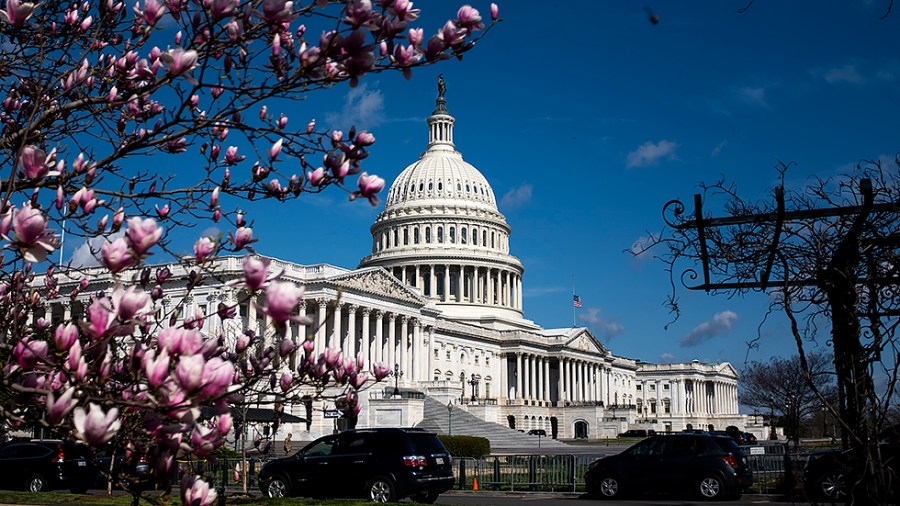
pixel 757 450
pixel 332 413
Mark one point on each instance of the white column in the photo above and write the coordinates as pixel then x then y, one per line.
pixel 350 347
pixel 504 376
pixel 320 325
pixel 391 340
pixel 379 337
pixel 540 378
pixel 301 327
pixel 560 384
pixel 432 282
pixel 404 353
pixel 430 350
pixel 366 337
pixel 519 375
pixel 532 378
pixel 446 295
pixel 416 362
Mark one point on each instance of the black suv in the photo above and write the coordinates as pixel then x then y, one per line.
pixel 39 466
pixel 827 474
pixel 382 465
pixel 711 466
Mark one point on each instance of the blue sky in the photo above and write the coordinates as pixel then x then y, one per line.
pixel 586 119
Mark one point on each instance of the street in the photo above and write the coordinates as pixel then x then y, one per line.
pixel 550 499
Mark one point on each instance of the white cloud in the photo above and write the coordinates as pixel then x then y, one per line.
pixel 648 154
pixel 362 108
pixel 602 326
pixel 517 197
pixel 666 358
pixel 718 149
pixel 88 253
pixel 640 247
pixel 753 95
pixel 843 74
pixel 540 291
pixel 719 325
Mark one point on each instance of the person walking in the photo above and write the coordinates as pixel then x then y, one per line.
pixel 288 445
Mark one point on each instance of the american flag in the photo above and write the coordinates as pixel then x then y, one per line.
pixel 576 301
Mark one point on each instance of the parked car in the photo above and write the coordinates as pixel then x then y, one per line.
pixel 133 470
pixel 638 433
pixel 826 475
pixel 44 465
pixel 381 465
pixel 712 467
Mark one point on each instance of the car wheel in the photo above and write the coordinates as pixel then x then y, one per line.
pixel 426 498
pixel 711 487
pixel 832 487
pixel 381 489
pixel 279 486
pixel 609 487
pixel 37 483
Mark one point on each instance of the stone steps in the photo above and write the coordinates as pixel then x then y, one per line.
pixel 465 423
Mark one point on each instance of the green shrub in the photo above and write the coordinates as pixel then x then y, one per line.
pixel 467 446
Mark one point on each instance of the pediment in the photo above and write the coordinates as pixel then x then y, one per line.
pixel 586 342
pixel 377 281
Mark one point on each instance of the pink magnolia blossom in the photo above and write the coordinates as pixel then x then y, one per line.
pixel 35 162
pixel 369 186
pixel 117 256
pixel 285 347
pixel 100 318
pixel 189 372
pixel 241 343
pixel 156 367
pixel 285 381
pixel 179 61
pixel 65 336
pixel 256 271
pixel 242 237
pixel 59 407
pixel 17 12
pixel 275 150
pixel 197 492
pixel 203 248
pixel 217 377
pixel 142 234
pixel 32 237
pixel 29 352
pixel 281 299
pixel 380 370
pixel 311 126
pixel 469 18
pixel 316 177
pixel 131 302
pixel 278 11
pixel 214 197
pixel 495 12
pixel 96 427
pixel 223 8
pixel 163 211
pixel 364 139
pixel 180 341
pixel 86 199
pixel 118 219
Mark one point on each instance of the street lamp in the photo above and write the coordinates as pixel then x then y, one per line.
pixel 474 383
pixel 396 373
pixel 449 418
pixel 824 420
pixel 772 435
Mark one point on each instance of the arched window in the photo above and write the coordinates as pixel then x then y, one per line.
pixel 440 185
pixel 492 240
pixel 475 236
pixel 440 234
pixel 396 242
pixel 405 236
pixel 458 186
pixel 427 235
pixel 421 185
pixel 437 375
pixel 462 235
pixel 484 237
pixel 468 189
pixel 452 235
pixel 416 235
pixel 430 185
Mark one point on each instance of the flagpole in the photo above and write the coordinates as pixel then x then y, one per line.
pixel 573 301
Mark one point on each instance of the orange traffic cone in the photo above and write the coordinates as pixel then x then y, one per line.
pixel 475 483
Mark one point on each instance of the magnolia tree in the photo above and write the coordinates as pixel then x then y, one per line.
pixel 87 92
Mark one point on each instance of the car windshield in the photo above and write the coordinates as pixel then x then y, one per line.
pixel 728 445
pixel 425 443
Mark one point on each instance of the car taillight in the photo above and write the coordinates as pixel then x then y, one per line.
pixel 414 461
pixel 60 455
pixel 729 459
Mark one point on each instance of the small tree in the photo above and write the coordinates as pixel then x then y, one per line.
pixel 779 386
pixel 89 91
pixel 827 257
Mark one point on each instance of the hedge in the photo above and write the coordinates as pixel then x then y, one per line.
pixel 466 446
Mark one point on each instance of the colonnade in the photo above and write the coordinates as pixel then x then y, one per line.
pixel 577 380
pixel 702 397
pixel 465 283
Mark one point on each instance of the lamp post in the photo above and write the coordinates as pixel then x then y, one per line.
pixel 824 420
pixel 396 373
pixel 474 382
pixel 772 435
pixel 449 418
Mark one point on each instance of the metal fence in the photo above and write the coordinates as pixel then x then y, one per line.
pixel 774 471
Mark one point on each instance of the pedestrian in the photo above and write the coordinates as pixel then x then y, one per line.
pixel 288 445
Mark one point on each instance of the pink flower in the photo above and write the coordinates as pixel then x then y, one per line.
pixel 223 8
pixel 242 237
pixel 196 492
pixel 32 236
pixel 278 11
pixel 152 12
pixel 118 219
pixel 416 36
pixel 100 317
pixel 316 177
pixel 364 139
pixel 380 370
pixel 281 299
pixel 131 302
pixel 255 272
pixel 241 343
pixel 285 347
pixel 369 186
pixel 179 61
pixel 29 352
pixel 17 12
pixel 59 408
pixel 156 367
pixel 65 336
pixel 275 150
pixel 232 157
pixel 35 162
pixel 204 440
pixel 180 341
pixel 203 248
pixel 95 427
pixel 162 212
pixel 142 234
pixel 495 12
pixel 285 382
pixel 189 372
pixel 116 256
pixel 217 377
pixel 84 198
pixel 311 126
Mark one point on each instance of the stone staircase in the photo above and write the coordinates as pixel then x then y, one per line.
pixel 465 423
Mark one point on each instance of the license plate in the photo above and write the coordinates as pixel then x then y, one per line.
pixel 439 460
pixel 82 463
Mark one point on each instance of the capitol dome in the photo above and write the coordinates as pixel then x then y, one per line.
pixel 442 233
